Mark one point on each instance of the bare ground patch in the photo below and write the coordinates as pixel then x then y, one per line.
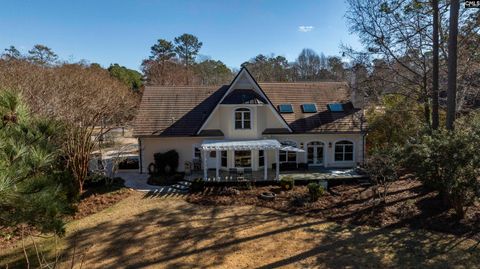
pixel 408 204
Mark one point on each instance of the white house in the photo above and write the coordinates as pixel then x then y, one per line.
pixel 252 125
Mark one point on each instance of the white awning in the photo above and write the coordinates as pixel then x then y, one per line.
pixel 291 148
pixel 211 145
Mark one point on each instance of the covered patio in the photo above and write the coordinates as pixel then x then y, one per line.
pixel 246 145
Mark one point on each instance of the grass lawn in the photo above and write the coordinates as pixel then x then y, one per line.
pixel 167 232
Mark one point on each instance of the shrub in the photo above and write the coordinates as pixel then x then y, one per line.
pixel 449 162
pixel 166 163
pixel 315 191
pixel 287 183
pixel 229 192
pixel 382 167
pixel 198 185
pixel 297 201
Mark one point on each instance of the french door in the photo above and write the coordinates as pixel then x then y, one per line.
pixel 315 153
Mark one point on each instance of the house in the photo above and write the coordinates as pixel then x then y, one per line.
pixel 250 125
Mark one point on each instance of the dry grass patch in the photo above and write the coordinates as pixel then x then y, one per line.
pixel 168 232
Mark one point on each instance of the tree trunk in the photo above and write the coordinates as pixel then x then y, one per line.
pixel 426 105
pixel 452 63
pixel 435 118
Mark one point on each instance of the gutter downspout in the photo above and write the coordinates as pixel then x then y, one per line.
pixel 140 155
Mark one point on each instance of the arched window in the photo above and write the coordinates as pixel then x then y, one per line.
pixel 288 156
pixel 343 151
pixel 243 118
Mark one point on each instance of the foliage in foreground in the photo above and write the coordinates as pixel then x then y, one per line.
pixel 449 162
pixel 33 190
pixel 382 166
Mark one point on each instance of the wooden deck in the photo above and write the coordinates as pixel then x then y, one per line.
pixel 318 174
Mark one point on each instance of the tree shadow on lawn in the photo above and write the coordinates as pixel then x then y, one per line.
pixel 196 236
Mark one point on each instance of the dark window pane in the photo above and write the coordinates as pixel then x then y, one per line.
pixel 338 157
pixel 238 124
pixel 349 148
pixel 246 124
pixel 338 149
pixel 348 157
pixel 224 158
pixel 292 156
pixel 238 116
pixel 246 115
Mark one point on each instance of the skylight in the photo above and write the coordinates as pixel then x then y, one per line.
pixel 309 108
pixel 335 107
pixel 285 108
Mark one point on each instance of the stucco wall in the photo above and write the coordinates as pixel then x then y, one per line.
pixel 262 118
pixel 185 145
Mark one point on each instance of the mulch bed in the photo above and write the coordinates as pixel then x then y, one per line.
pixel 95 199
pixel 408 204
pixel 96 202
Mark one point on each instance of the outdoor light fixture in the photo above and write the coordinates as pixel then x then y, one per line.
pixel 329 144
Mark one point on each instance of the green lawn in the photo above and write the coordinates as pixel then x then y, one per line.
pixel 167 232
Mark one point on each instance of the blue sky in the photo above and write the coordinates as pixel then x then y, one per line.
pixel 107 31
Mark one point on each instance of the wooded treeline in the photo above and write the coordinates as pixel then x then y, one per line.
pixel 177 63
pixel 421 78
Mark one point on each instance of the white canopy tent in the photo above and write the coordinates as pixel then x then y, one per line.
pixel 222 145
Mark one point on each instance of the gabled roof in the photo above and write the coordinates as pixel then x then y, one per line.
pixel 182 111
pixel 252 83
pixel 243 96
pixel 175 111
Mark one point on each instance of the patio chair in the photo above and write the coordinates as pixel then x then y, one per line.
pixel 233 173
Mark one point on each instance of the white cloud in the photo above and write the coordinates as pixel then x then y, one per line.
pixel 304 28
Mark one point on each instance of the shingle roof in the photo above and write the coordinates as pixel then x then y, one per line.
pixel 175 111
pixel 181 111
pixel 321 94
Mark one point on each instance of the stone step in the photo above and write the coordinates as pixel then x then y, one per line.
pixel 184 182
pixel 180 187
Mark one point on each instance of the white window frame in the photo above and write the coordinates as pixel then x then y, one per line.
pixel 340 143
pixel 242 111
pixel 193 152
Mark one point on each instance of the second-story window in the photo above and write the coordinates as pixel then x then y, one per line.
pixel 243 118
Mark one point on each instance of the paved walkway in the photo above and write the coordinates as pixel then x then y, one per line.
pixel 138 182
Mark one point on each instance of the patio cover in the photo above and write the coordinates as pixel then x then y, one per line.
pixel 211 145
pixel 292 149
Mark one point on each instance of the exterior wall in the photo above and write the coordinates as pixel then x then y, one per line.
pixel 185 148
pixel 183 145
pixel 262 118
pixel 329 152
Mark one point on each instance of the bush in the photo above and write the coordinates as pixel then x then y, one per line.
pixel 229 192
pixel 449 162
pixel 165 163
pixel 316 191
pixel 297 201
pixel 287 183
pixel 198 185
pixel 382 167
